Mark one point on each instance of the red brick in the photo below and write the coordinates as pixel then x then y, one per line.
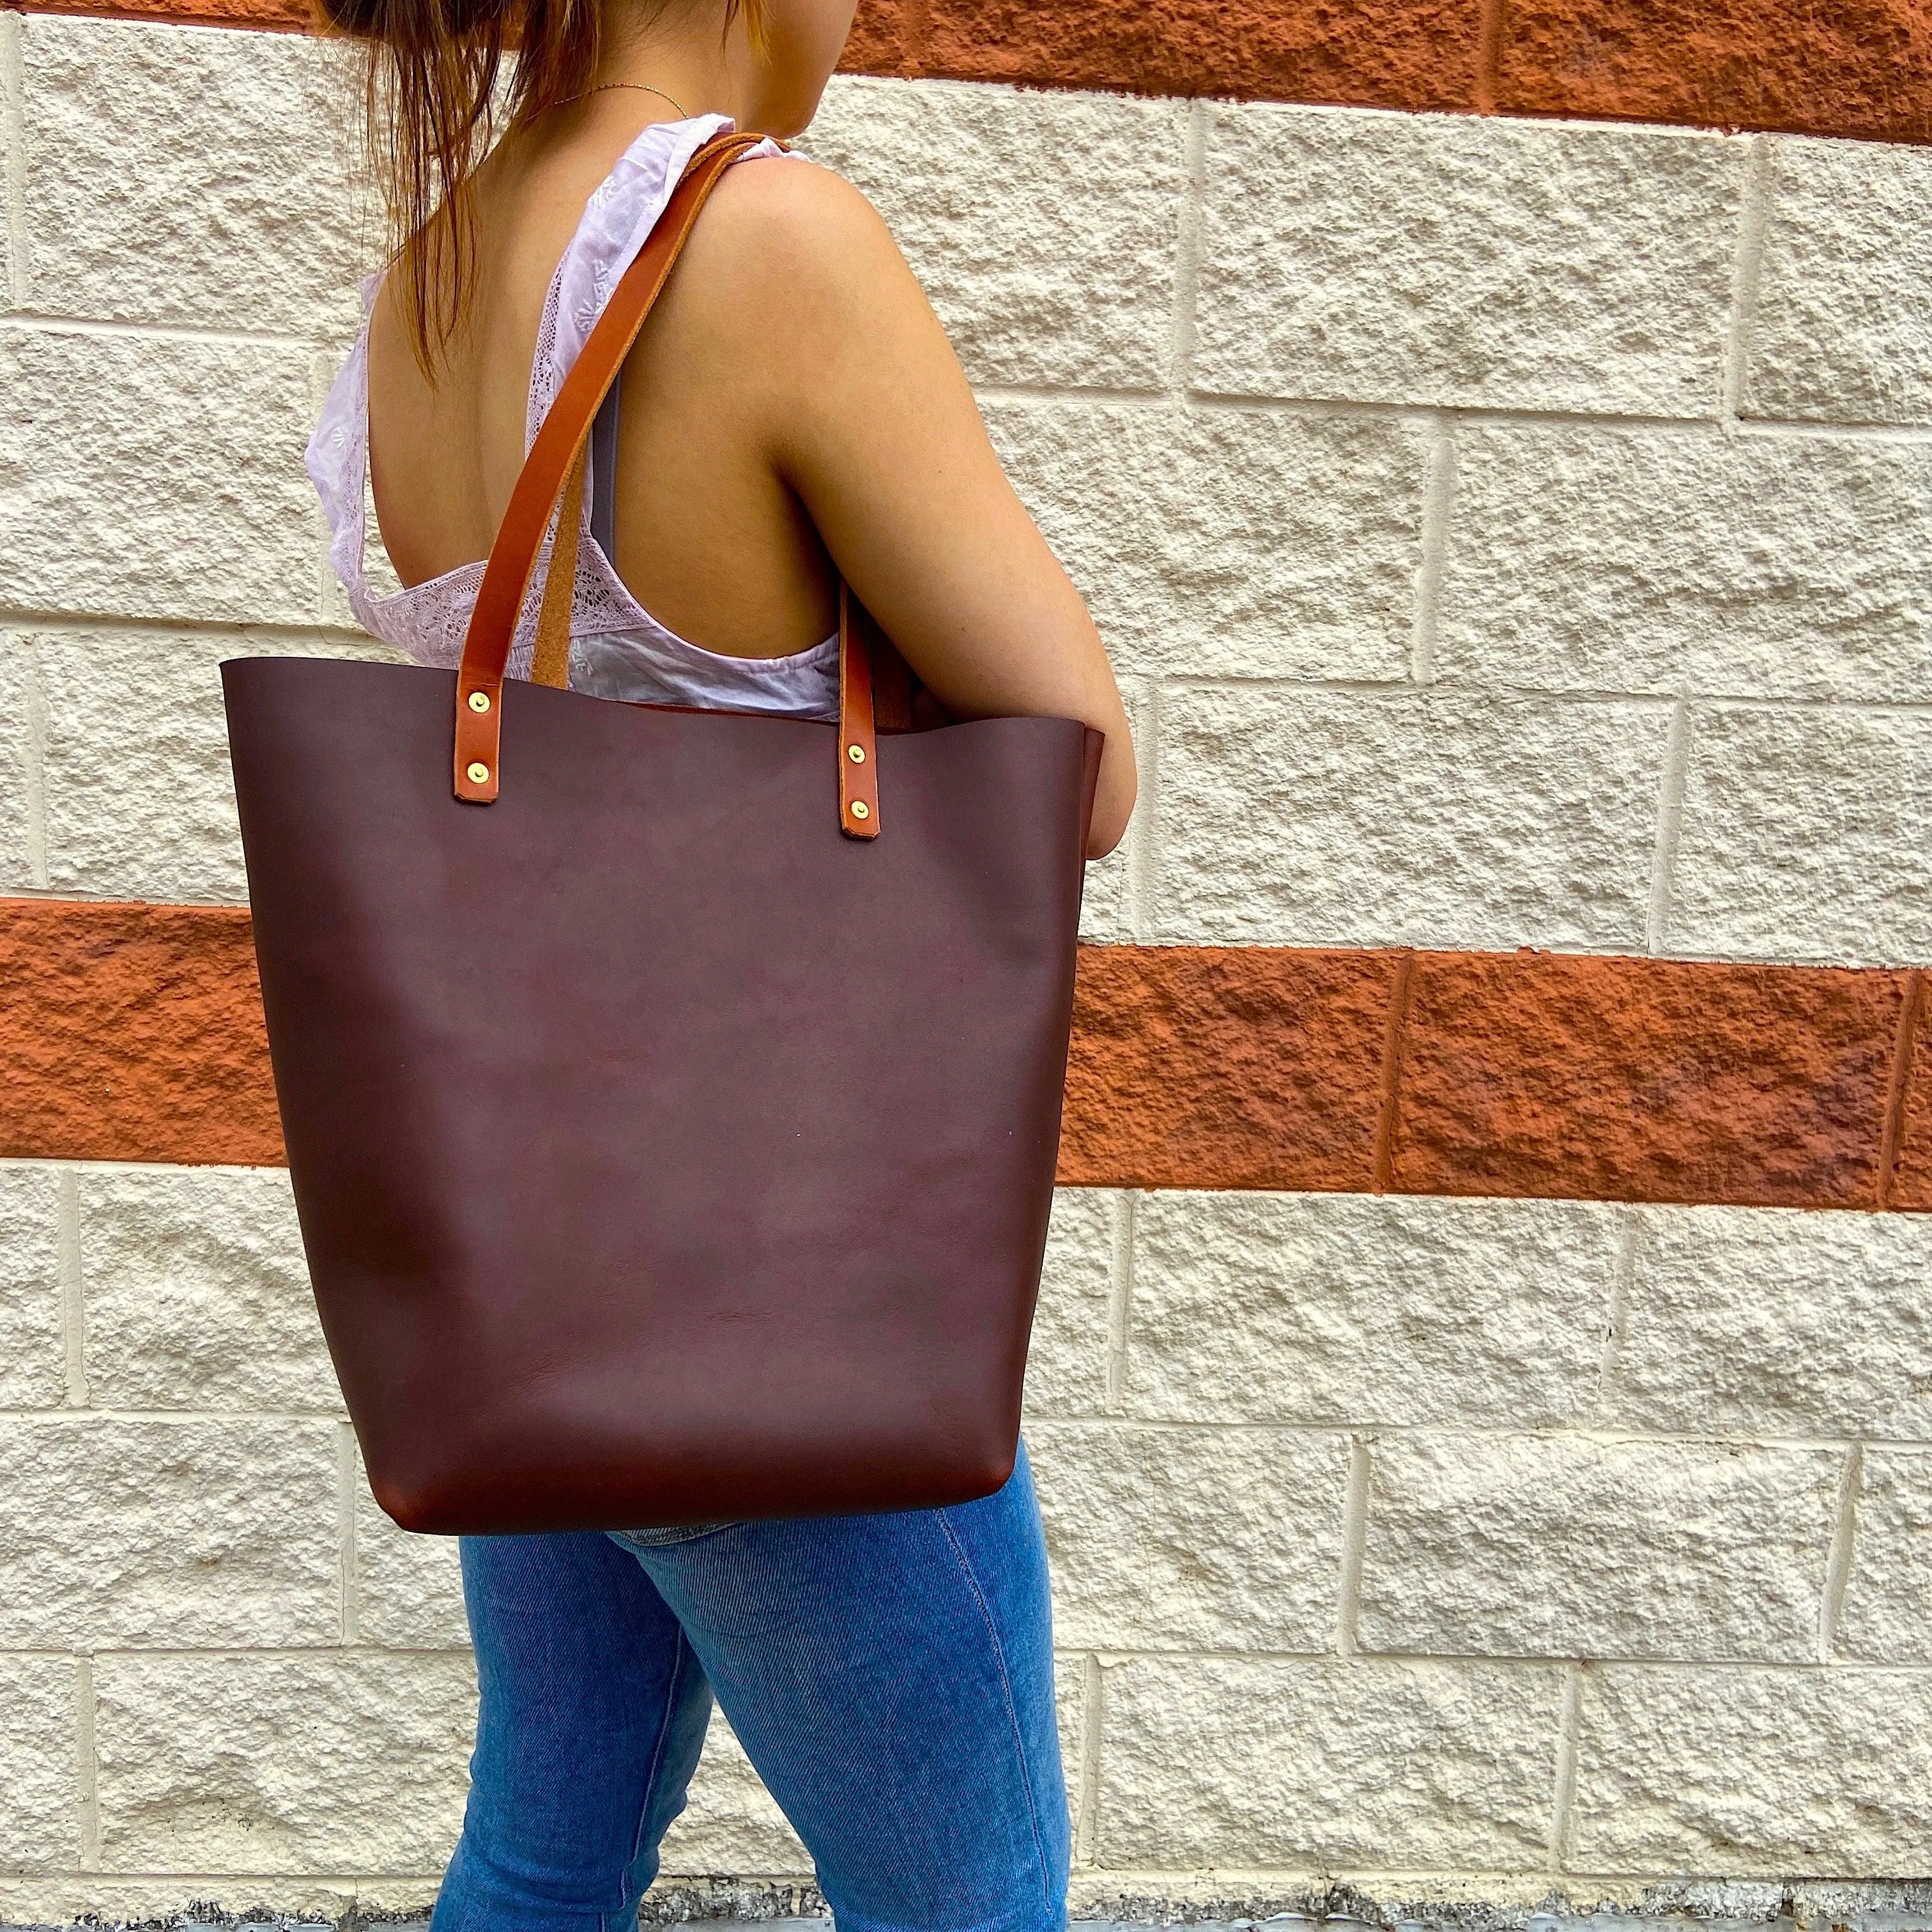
pixel 132 1033
pixel 884 37
pixel 1236 1067
pixel 1381 53
pixel 1852 67
pixel 1625 1079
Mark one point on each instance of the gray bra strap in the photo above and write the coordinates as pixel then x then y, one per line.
pixel 603 473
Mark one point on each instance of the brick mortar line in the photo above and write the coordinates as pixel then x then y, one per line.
pixel 1382 1160
pixel 32 625
pixel 1143 857
pixel 1222 1880
pixel 35 775
pixel 348 1491
pixel 1474 416
pixel 1391 1663
pixel 1600 1435
pixel 1671 782
pixel 1397 688
pixel 1183 322
pixel 1087 1810
pixel 1753 218
pixel 1419 409
pixel 73 1294
pixel 1436 525
pixel 1839 1557
pixel 34 322
pixel 1899 1092
pixel 87 1757
pixel 13 150
pixel 1354 1550
pixel 1616 1315
pixel 1569 1750
pixel 1488 79
pixel 132 627
pixel 1124 1211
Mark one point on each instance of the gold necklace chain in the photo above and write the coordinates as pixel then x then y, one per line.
pixel 635 86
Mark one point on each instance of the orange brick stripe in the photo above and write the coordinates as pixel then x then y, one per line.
pixel 1856 67
pixel 134 1033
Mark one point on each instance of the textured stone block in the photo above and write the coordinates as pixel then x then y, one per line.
pixel 882 39
pixel 1883 1620
pixel 196 230
pixel 1655 560
pixel 733 1825
pixel 1229 543
pixel 409 1589
pixel 1074 285
pixel 1106 918
pixel 1555 1547
pixel 1490 264
pixel 179 1533
pixel 1259 1763
pixel 1246 1066
pixel 350 1762
pixel 1807 834
pixel 40 1799
pixel 33 1361
pixel 1066 1365
pixel 1419 54
pixel 1761 1773
pixel 1182 1539
pixel 197 1294
pixel 155 478
pixel 1669 1080
pixel 140 802
pixel 19 860
pixel 1844 298
pixel 1856 67
pixel 1438 818
pixel 132 1033
pixel 1777 1324
pixel 1340 1310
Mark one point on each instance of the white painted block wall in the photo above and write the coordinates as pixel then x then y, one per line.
pixel 1509 534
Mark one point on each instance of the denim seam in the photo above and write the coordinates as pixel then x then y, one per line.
pixel 965 1563
pixel 682 1650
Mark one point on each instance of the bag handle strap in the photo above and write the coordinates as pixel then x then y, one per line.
pixel 554 469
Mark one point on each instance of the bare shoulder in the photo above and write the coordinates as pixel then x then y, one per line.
pixel 783 234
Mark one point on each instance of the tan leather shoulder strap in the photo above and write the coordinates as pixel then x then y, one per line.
pixel 554 469
pixel 556 453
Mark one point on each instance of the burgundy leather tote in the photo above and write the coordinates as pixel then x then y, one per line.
pixel 672 1097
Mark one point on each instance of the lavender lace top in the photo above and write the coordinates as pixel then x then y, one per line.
pixel 618 648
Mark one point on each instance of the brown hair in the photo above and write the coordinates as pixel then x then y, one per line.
pixel 433 107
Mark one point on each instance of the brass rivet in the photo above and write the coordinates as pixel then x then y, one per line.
pixel 856 753
pixel 479 774
pixel 479 701
pixel 860 809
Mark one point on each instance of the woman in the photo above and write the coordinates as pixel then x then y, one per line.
pixel 791 413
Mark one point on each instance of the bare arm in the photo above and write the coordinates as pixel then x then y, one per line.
pixel 870 421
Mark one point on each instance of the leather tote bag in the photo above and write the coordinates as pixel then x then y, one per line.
pixel 672 1098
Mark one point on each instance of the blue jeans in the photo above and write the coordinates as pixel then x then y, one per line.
pixel 890 1677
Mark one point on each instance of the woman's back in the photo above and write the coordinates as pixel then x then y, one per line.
pixel 707 538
